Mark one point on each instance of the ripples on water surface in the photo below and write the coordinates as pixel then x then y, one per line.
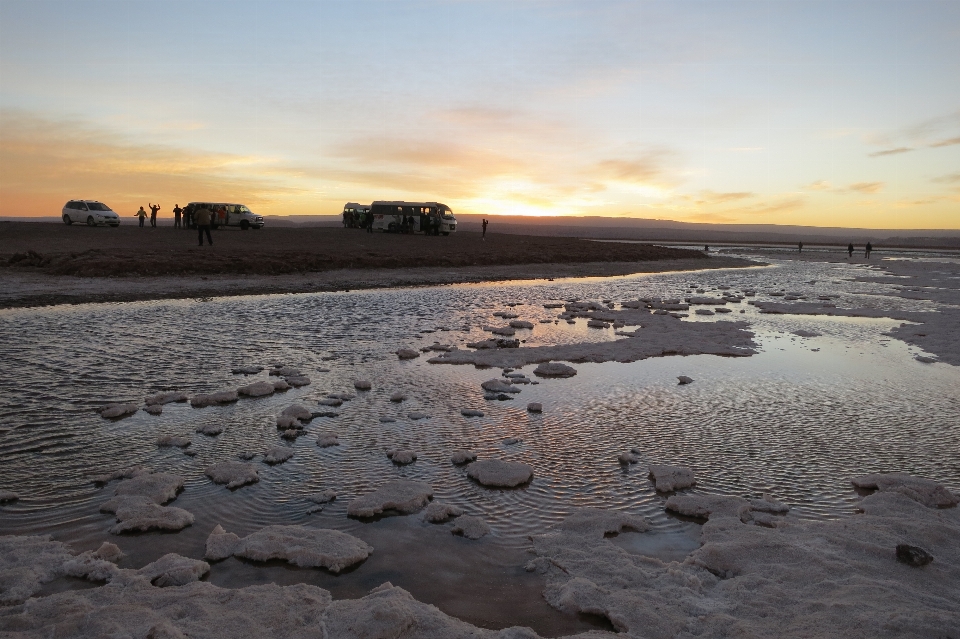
pixel 796 420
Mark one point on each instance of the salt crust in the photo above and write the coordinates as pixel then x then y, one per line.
pixel 7 497
pixel 211 399
pixel 174 570
pixel 277 455
pixel 166 398
pixel 327 439
pixel 233 474
pixel 708 506
pixel 299 545
pixel 836 578
pixel 407 353
pixel 438 513
pixel 659 335
pixel 403 495
pixel 124 473
pixel 402 457
pixel 117 411
pixel 298 411
pixel 471 412
pixel 156 409
pixel 323 497
pixel 497 472
pixel 247 370
pixel 470 527
pixel 257 389
pixel 683 380
pixel 211 430
pixel 498 386
pixel 927 492
pixel 535 407
pixel 668 478
pixel 136 512
pixel 462 456
pixel 362 384
pixel 158 487
pixel 297 380
pixel 554 369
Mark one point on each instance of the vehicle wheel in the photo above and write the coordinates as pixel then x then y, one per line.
pixel 446 234
pixel 67 220
pixel 90 221
pixel 244 225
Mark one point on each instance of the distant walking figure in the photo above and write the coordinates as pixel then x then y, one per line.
pixel 202 217
pixel 153 214
pixel 800 247
pixel 706 248
pixel 484 225
pixel 368 222
pixel 142 215
pixel 866 251
pixel 850 250
pixel 176 215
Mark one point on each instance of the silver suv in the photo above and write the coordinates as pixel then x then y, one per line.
pixel 92 212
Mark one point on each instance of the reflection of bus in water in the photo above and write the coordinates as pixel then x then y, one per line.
pixel 355 215
pixel 433 218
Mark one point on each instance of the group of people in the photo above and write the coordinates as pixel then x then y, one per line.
pixel 201 216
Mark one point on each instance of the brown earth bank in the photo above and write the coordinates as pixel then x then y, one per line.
pixel 83 251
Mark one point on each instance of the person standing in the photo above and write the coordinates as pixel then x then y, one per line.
pixel 483 224
pixel 153 214
pixel 850 250
pixel 800 247
pixel 176 215
pixel 866 251
pixel 142 215
pixel 369 221
pixel 202 216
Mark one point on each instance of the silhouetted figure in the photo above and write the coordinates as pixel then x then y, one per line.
pixel 142 215
pixel 483 236
pixel 706 248
pixel 176 215
pixel 866 251
pixel 369 222
pixel 153 214
pixel 222 216
pixel 202 216
pixel 850 250
pixel 800 247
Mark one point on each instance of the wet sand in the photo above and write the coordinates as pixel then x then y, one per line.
pixel 43 264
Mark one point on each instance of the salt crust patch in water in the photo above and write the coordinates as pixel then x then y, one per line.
pixel 166 398
pixel 233 474
pixel 257 389
pixel 461 456
pixel 116 411
pixel 211 399
pixel 500 473
pixel 403 495
pixel 437 513
pixel 139 513
pixel 668 478
pixel 299 545
pixel 927 492
pixel 470 526
pixel 277 455
pixel 660 335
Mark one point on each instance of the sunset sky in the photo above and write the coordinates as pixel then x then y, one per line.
pixel 769 112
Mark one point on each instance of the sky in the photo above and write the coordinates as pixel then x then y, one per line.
pixel 755 112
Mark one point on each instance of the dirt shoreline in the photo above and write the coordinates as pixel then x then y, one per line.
pixel 26 288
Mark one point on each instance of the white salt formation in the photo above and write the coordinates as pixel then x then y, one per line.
pixel 323 497
pixel 116 411
pixel 26 563
pixel 158 487
pixel 211 399
pixel 362 385
pixel 156 409
pixel 628 458
pixel 404 496
pixel 520 324
pixel 125 473
pixel 417 415
pixel 257 389
pixel 927 492
pixel 301 546
pixel 285 422
pixel 806 333
pixel 327 439
pixel 461 456
pixel 554 369
pixel 407 353
pixel 174 570
pixel 298 411
pixel 233 474
pixel 330 401
pixel 179 441
pixel 135 512
pixel 498 386
pixel 286 371
pixel 496 472
pixel 166 398
pixel 668 478
pixel 510 441
pixel 708 506
pixel 535 407
pixel 281 385
pixel 211 430
pixel 438 513
pixel 402 457
pixel 398 397
pixel 277 455
pixel 471 412
pixel 297 380
pixel 247 370
pixel 683 379
pixel 769 505
pixel 470 527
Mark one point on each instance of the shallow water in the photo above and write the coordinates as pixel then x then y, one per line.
pixel 796 420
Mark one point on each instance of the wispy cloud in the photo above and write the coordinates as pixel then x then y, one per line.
pixel 866 187
pixel 819 185
pixel 949 178
pixel 949 142
pixel 896 151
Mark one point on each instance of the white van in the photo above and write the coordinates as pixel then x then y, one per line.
pixel 92 212
pixel 433 218
pixel 233 215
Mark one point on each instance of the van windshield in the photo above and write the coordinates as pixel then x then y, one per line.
pixel 243 209
pixel 97 206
